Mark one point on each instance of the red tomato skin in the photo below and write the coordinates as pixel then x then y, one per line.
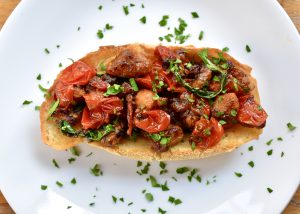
pixel 64 93
pixel 153 121
pixel 93 120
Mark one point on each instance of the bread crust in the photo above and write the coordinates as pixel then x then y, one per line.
pixel 141 149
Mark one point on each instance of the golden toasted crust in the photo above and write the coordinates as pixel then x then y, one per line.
pixel 141 149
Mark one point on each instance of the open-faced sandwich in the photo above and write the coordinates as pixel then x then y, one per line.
pixel 154 103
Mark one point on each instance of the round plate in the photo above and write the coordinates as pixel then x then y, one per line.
pixel 26 164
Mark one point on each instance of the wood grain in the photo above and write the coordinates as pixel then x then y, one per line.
pixel 292 7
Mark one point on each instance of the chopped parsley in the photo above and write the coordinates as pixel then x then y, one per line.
pixel 125 9
pixel 164 21
pixel 144 170
pixel 75 151
pixel 143 19
pixel 42 88
pixel 195 15
pixel 113 90
pixel 270 152
pixel 100 7
pixel 248 49
pixel 44 187
pixel 139 163
pixel 201 34
pixel 26 102
pixel 222 122
pixel 280 139
pixel 73 181
pixel 163 168
pixel 70 160
pixel 250 148
pixel 238 174
pixel 143 210
pixel 161 211
pixel 174 179
pixel 37 108
pixel 133 84
pixel 129 204
pixel 164 187
pixel 182 170
pixel 174 201
pixel 132 5
pixel 55 163
pixel 149 196
pixel 114 198
pixel 121 199
pixel 92 204
pixel 290 126
pixel 108 27
pixel 269 190
pixel 143 6
pixel 269 142
pixel 251 164
pixel 225 49
pixel 198 178
pixel 59 184
pixel 154 181
pixel 96 135
pixel 46 51
pixel 39 77
pixel 282 154
pixel 60 65
pixel 78 28
pixel 100 34
pixel 53 107
pixel 233 112
pixel 96 170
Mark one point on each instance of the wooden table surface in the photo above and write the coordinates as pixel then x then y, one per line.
pixel 292 7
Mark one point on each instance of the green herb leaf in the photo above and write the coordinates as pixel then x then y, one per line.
pixel 59 184
pixel 92 204
pixel 198 178
pixel 269 142
pixel 182 170
pixel 195 15
pixel 222 122
pixel 161 211
pixel 53 107
pixel 114 199
pixel 60 65
pixel 149 196
pixel 37 108
pixel 250 148
pixel 42 88
pixel 129 204
pixel 100 34
pixel 100 7
pixel 26 102
pixel 108 26
pixel 132 5
pixel 282 154
pixel 97 135
pixel 66 128
pixel 280 139
pixel 290 126
pixel 238 174
pixel 233 112
pixel 139 163
pixel 75 151
pixel 73 181
pixel 46 51
pixel 126 10
pixel 143 19
pixel 70 160
pixel 96 170
pixel 143 210
pixel 177 201
pixel 226 49
pixel 164 187
pixel 248 49
pixel 39 77
pixel 55 163
pixel 121 199
pixel 162 164
pixel 201 34
pixel 251 164
pixel 164 21
pixel 269 190
pixel 154 181
pixel 44 187
pixel 270 152
pixel 113 90
pixel 133 84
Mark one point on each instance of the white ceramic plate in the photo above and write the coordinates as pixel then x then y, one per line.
pixel 26 164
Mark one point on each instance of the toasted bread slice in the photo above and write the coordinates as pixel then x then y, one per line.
pixel 141 149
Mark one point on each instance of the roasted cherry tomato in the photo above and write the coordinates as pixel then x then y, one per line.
pixel 207 133
pixel 250 113
pixel 152 121
pixel 144 82
pixel 93 120
pixel 99 84
pixel 96 101
pixel 78 73
pixel 64 93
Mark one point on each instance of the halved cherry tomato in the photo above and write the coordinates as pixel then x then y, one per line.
pixel 79 73
pixel 93 120
pixel 144 82
pixel 208 132
pixel 64 93
pixel 96 101
pixel 251 113
pixel 152 121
